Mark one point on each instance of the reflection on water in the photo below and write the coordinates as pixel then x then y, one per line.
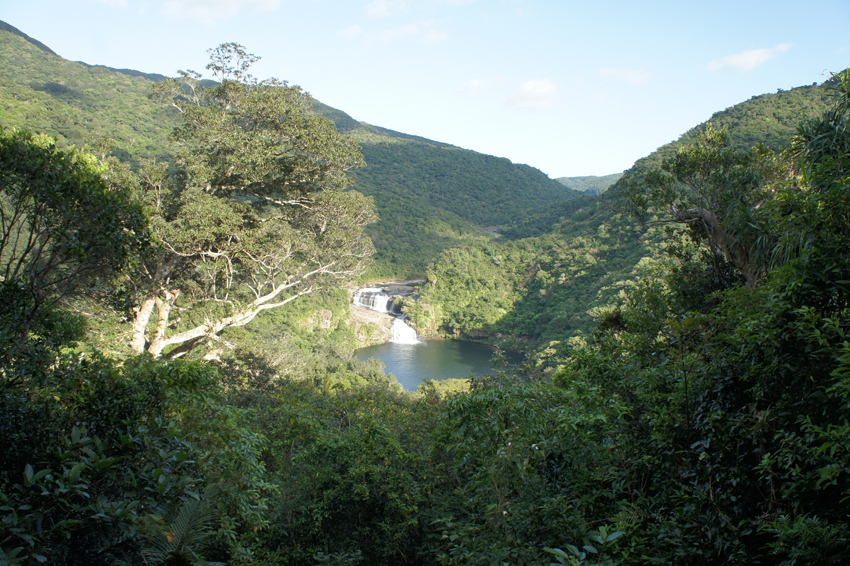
pixel 433 359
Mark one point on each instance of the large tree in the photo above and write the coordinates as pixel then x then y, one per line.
pixel 260 213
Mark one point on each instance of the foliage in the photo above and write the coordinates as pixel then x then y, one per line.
pixel 61 227
pixel 78 104
pixel 433 196
pixel 95 454
pixel 591 184
pixel 700 420
pixel 422 189
pixel 770 119
pixel 259 216
pixel 520 458
pixel 717 191
pixel 543 289
pixel 188 527
pixel 352 469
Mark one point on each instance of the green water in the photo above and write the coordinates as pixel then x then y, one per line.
pixel 412 364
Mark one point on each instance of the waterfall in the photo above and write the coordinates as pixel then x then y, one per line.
pixel 402 333
pixel 374 298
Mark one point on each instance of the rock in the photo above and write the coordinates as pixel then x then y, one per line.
pixel 325 321
pixel 371 327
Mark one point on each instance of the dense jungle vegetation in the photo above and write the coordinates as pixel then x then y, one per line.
pixel 172 392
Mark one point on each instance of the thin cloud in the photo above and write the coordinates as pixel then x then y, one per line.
pixel 627 76
pixel 423 32
pixel 747 60
pixel 535 95
pixel 208 11
pixel 385 8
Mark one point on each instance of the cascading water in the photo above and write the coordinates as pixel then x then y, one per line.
pixel 374 298
pixel 402 333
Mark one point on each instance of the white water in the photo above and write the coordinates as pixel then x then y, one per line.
pixel 402 333
pixel 373 298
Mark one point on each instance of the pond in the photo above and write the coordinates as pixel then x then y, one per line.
pixel 412 364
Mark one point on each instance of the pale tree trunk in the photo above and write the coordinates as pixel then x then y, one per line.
pixel 733 250
pixel 140 323
pixel 160 277
pixel 188 339
pixel 163 309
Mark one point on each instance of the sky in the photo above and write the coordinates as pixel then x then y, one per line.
pixel 572 88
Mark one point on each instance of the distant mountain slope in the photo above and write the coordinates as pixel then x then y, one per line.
pixel 770 119
pixel 592 185
pixel 482 189
pixel 78 104
pixel 429 195
pixel 12 29
pixel 432 195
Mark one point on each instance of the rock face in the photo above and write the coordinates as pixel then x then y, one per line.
pixel 371 327
pixel 325 319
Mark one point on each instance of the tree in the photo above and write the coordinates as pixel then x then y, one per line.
pixel 716 190
pixel 814 228
pixel 826 135
pixel 259 214
pixel 61 224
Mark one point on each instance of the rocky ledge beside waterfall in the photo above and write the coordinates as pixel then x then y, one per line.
pixel 375 315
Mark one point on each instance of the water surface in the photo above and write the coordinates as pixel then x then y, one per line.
pixel 412 364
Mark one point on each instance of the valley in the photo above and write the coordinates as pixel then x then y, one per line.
pixel 194 274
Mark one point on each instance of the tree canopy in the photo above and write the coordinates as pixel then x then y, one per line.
pixel 61 226
pixel 257 215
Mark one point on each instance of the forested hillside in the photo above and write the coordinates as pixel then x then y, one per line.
pixel 429 195
pixel 593 185
pixel 168 396
pixel 579 256
pixel 432 196
pixel 769 119
pixel 77 104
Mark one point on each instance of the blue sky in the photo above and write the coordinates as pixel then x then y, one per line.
pixel 572 88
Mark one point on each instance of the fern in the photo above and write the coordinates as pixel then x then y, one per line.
pixel 188 529
pixel 809 540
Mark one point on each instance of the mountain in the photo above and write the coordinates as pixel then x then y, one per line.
pixel 12 29
pixel 559 266
pixel 79 104
pixel 770 119
pixel 432 195
pixel 592 185
pixel 429 195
